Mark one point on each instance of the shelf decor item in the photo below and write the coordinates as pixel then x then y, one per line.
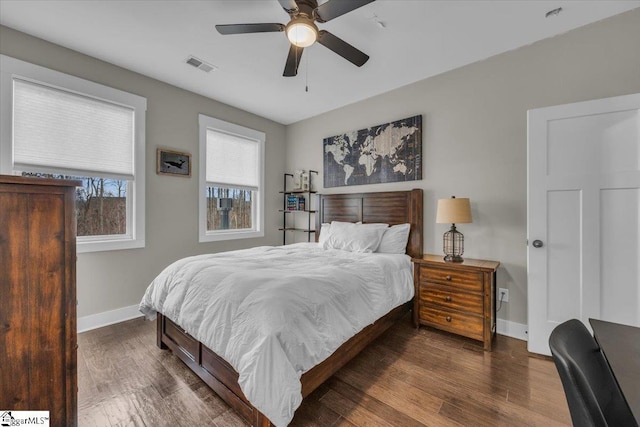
pixel 297 179
pixel 453 211
pixel 292 203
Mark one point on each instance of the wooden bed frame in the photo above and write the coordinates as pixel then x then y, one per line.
pixel 394 207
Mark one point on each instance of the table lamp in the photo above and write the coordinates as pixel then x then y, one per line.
pixel 453 211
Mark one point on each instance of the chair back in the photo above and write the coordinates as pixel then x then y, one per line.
pixel 592 393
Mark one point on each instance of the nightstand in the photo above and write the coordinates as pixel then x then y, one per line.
pixel 457 297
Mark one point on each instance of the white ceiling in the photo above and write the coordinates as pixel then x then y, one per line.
pixel 420 39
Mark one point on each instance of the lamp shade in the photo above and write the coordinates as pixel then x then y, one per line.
pixel 453 211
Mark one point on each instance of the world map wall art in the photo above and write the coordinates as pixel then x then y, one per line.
pixel 391 152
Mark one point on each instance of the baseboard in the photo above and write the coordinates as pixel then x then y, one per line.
pixel 107 318
pixel 512 329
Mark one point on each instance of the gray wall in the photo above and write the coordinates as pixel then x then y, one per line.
pixel 475 134
pixel 116 279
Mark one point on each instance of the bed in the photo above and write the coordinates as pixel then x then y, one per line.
pixel 396 207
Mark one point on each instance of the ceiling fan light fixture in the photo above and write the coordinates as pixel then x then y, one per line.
pixel 302 32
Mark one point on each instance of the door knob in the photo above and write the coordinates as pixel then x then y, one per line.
pixel 537 243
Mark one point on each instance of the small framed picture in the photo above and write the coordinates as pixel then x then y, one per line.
pixel 173 163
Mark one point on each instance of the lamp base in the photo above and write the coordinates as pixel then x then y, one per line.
pixel 453 245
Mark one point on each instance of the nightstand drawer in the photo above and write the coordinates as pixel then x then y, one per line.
pixel 449 297
pixel 463 324
pixel 469 280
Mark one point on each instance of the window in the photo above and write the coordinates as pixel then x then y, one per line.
pixel 60 126
pixel 231 181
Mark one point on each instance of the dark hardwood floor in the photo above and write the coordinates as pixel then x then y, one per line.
pixel 407 377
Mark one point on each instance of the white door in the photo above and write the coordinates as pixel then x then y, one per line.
pixel 583 215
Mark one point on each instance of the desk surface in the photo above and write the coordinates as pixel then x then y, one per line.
pixel 621 347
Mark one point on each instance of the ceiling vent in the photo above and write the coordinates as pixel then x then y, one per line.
pixel 200 64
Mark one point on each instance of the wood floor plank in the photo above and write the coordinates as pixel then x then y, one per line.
pixel 408 377
pixel 192 412
pixel 214 405
pixel 372 404
pixel 541 402
pixel 93 415
pixel 229 419
pixel 477 398
pixel 343 423
pixel 487 371
pixel 352 412
pixel 406 398
pixel 102 368
pixel 312 413
pixel 152 408
pixel 121 410
pixel 88 395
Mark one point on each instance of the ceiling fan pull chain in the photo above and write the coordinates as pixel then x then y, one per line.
pixel 306 87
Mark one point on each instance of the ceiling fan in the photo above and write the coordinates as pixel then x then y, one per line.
pixel 303 32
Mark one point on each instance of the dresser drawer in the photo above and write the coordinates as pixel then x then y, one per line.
pixel 468 325
pixel 452 298
pixel 470 280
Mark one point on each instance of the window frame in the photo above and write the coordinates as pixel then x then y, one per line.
pixel 206 122
pixel 11 68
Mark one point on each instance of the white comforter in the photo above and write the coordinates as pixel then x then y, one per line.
pixel 275 312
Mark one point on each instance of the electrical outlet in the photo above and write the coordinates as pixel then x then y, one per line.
pixel 503 294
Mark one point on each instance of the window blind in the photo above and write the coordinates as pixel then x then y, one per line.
pixel 59 130
pixel 232 160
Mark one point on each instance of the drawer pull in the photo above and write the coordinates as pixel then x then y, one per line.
pixel 447 298
pixel 448 318
pixel 448 277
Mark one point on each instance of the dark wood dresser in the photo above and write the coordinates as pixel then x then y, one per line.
pixel 38 338
pixel 457 297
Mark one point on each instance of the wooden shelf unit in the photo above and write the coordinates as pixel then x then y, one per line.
pixel 292 212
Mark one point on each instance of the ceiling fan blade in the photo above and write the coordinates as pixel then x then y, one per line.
pixel 334 8
pixel 342 48
pixel 249 28
pixel 289 6
pixel 293 60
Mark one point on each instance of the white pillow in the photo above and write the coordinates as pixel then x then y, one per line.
pixel 325 229
pixel 354 237
pixel 394 239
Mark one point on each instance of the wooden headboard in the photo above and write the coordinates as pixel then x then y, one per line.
pixel 391 207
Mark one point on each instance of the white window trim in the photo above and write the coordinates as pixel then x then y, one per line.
pixel 10 68
pixel 204 123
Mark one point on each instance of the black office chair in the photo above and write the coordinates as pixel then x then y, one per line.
pixel 592 392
